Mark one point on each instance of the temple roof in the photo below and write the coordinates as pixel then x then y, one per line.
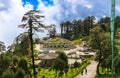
pixel 48 56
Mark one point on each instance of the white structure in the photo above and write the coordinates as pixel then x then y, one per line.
pixel 84 46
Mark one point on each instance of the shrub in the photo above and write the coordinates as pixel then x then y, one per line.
pixel 23 64
pixel 4 63
pixel 62 55
pixel 61 63
pixel 15 60
pixel 8 74
pixel 77 42
pixel 20 73
pixel 76 64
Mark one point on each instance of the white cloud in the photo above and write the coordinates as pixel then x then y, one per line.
pixel 117 8
pixel 1 5
pixel 88 6
pixel 52 13
pixel 63 10
pixel 10 19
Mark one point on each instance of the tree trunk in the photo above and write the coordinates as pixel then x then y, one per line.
pixel 31 42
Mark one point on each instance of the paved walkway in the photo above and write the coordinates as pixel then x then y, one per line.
pixel 91 71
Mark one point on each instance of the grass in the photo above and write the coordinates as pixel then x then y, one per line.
pixel 77 42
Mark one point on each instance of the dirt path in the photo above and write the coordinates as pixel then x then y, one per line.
pixel 91 71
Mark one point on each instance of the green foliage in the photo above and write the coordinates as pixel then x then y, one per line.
pixel 61 63
pixel 4 62
pixel 15 60
pixel 34 48
pixel 2 46
pixel 107 76
pixel 8 74
pixel 72 72
pixel 100 40
pixel 23 64
pixel 77 28
pixel 9 64
pixel 62 56
pixel 117 23
pixel 77 42
pixel 22 45
pixel 76 64
pixel 117 64
pixel 20 73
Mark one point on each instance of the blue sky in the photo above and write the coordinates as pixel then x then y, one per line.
pixel 35 3
pixel 55 11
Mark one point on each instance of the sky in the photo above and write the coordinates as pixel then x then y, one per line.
pixel 55 11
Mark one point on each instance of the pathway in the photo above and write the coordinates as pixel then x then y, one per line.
pixel 91 71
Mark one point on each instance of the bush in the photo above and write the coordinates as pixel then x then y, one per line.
pixel 77 42
pixel 76 64
pixel 8 74
pixel 62 55
pixel 4 63
pixel 61 63
pixel 23 64
pixel 15 60
pixel 20 73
